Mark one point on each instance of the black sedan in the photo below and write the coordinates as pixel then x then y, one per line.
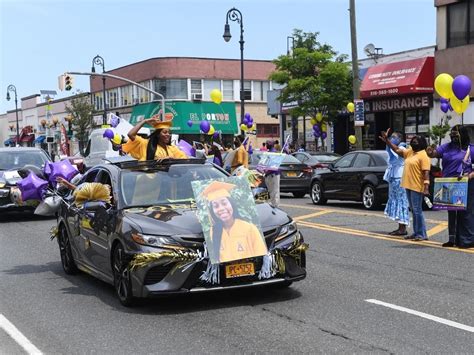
pixel 356 176
pixel 295 177
pixel 12 160
pixel 147 240
pixel 316 160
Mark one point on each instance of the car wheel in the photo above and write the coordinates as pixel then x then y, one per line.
pixel 317 194
pixel 67 260
pixel 122 282
pixel 299 194
pixel 369 197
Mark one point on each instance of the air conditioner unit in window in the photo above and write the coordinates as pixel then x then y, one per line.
pixel 197 97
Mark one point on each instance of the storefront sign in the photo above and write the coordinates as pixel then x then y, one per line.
pixel 359 113
pixel 399 103
pixel 222 117
pixel 406 77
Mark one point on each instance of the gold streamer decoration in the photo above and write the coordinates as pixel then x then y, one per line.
pixel 54 232
pixel 180 257
pixel 294 250
pixel 92 191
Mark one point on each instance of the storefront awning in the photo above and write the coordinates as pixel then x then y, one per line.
pixel 39 139
pixel 222 116
pixel 27 138
pixel 413 76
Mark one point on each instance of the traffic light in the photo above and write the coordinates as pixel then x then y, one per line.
pixel 68 82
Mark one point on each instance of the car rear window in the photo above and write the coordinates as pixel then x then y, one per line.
pixel 17 159
pixel 326 158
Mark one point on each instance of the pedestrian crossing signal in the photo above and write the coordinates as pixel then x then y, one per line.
pixel 68 82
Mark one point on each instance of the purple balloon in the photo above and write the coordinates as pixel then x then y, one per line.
pixel 47 169
pixel 245 121
pixel 216 135
pixel 317 134
pixel 443 100
pixel 324 135
pixel 62 169
pixel 205 126
pixel 444 107
pixel 247 116
pixel 108 133
pixel 190 123
pixel 461 86
pixel 316 127
pixel 187 148
pixel 249 124
pixel 114 121
pixel 250 150
pixel 32 187
pixel 250 121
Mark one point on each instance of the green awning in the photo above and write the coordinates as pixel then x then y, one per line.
pixel 222 116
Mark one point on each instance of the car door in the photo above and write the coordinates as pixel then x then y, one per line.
pixel 334 181
pixel 98 251
pixel 360 168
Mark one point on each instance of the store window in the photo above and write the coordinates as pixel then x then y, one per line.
pixel 143 95
pixel 172 88
pixel 228 90
pixel 196 86
pixel 397 121
pixel 98 101
pixel 248 90
pixel 208 86
pixel 268 130
pixel 112 98
pixel 460 23
pixel 260 89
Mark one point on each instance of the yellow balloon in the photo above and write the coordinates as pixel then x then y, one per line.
pixel 216 96
pixel 458 105
pixel 319 117
pixel 243 127
pixel 352 139
pixel 444 85
pixel 324 127
pixel 254 127
pixel 211 130
pixel 313 121
pixel 117 139
pixel 350 107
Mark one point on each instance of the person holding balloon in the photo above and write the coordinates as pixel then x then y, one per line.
pixel 457 159
pixel 415 179
pixel 156 146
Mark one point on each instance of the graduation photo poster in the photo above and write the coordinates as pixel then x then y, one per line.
pixel 228 216
pixel 270 161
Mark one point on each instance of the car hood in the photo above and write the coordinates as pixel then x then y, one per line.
pixel 181 220
pixel 11 177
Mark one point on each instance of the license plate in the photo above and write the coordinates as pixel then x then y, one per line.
pixel 291 173
pixel 237 270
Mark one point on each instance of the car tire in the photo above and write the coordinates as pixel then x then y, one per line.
pixel 299 194
pixel 317 194
pixel 122 280
pixel 67 259
pixel 369 197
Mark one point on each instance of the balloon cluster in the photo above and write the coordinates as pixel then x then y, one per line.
pixel 454 92
pixel 247 123
pixel 319 127
pixel 115 138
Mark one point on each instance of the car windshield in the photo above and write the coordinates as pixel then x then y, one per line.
pixel 140 188
pixel 326 158
pixel 15 160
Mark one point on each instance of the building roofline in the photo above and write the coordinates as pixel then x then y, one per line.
pixel 199 58
pixel 29 97
pixel 64 99
pixel 402 52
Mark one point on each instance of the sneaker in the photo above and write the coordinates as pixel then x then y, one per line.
pixel 409 237
pixel 419 239
pixel 447 245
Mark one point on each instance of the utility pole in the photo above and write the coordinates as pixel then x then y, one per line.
pixel 355 67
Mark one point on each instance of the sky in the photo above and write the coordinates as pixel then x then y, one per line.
pixel 41 39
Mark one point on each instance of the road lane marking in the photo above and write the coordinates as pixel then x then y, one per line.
pixel 375 214
pixel 320 213
pixel 437 229
pixel 424 315
pixel 361 233
pixel 16 335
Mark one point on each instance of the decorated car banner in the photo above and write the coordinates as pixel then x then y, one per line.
pixel 450 194
pixel 226 210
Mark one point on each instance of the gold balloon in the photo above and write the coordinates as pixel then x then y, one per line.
pixel 211 130
pixel 459 106
pixel 319 117
pixel 243 127
pixel 444 85
pixel 313 121
pixel 350 107
pixel 216 96
pixel 352 139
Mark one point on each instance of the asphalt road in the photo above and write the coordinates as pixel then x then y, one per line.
pixel 351 260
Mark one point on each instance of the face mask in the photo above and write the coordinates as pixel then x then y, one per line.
pixel 455 139
pixel 415 146
pixel 395 140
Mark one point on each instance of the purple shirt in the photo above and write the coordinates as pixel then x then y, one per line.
pixel 453 158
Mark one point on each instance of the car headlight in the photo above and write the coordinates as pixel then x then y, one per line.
pixel 158 241
pixel 287 230
pixel 3 182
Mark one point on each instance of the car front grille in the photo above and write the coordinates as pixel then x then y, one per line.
pixel 156 274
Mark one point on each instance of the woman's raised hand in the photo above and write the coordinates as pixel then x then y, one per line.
pixel 384 135
pixel 153 120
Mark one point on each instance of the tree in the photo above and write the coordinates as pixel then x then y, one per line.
pixel 438 132
pixel 315 76
pixel 81 112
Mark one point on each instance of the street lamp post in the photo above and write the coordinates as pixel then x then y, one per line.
pixel 13 89
pixel 235 15
pixel 100 61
